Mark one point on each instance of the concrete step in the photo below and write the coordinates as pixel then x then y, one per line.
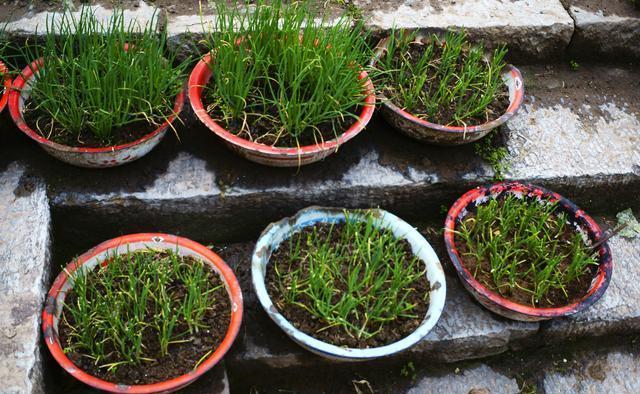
pixel 611 367
pixel 465 331
pixel 577 133
pixel 25 242
pixel 604 29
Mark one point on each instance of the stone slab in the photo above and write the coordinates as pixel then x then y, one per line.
pixel 472 380
pixel 32 23
pixel 618 311
pixel 615 372
pixel 577 133
pixel 610 29
pixel 24 267
pixel 533 29
pixel 465 330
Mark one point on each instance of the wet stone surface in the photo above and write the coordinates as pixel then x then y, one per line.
pixel 25 257
pixel 614 372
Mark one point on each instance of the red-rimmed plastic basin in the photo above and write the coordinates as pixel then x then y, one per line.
pixel 437 134
pixel 266 154
pixel 99 254
pixel 4 73
pixel 110 156
pixel 494 301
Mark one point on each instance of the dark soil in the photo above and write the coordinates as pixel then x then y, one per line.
pixel 41 122
pixel 182 357
pixel 304 321
pixel 260 129
pixel 554 297
pixel 445 115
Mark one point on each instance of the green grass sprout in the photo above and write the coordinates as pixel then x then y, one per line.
pixel 450 82
pixel 91 86
pixel 359 282
pixel 286 69
pixel 115 311
pixel 527 248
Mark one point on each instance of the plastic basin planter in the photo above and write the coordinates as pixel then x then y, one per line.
pixel 437 134
pixel 280 231
pixel 98 255
pixel 494 301
pixel 6 84
pixel 266 154
pixel 110 156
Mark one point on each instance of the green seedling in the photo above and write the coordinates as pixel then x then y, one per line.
pixel 114 311
pixel 283 66
pixel 92 86
pixel 359 282
pixel 524 243
pixel 450 75
pixel 574 65
pixel 496 156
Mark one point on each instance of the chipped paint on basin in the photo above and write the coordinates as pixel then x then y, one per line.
pixel 437 134
pixel 6 84
pixel 500 305
pixel 125 244
pixel 110 156
pixel 279 231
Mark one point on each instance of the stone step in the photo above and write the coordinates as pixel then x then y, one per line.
pixel 532 29
pixel 577 133
pixel 465 331
pixel 25 241
pixel 538 30
pixel 604 29
pixel 612 367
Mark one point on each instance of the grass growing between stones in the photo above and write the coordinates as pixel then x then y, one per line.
pixel 526 251
pixel 446 81
pixel 143 308
pixel 349 283
pixel 92 91
pixel 284 76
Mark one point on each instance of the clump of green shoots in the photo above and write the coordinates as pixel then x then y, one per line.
pixel 359 278
pixel 282 75
pixel 445 81
pixel 495 155
pixel 116 312
pixel 528 247
pixel 90 85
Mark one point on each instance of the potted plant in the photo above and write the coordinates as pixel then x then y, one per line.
pixel 98 93
pixel 142 313
pixel 527 253
pixel 281 87
pixel 444 91
pixel 348 285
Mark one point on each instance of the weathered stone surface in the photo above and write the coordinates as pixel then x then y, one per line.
pixel 37 23
pixel 573 138
pixel 531 28
pixel 615 372
pixel 476 380
pixel 24 266
pixel 537 29
pixel 600 33
pixel 618 311
pixel 466 330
